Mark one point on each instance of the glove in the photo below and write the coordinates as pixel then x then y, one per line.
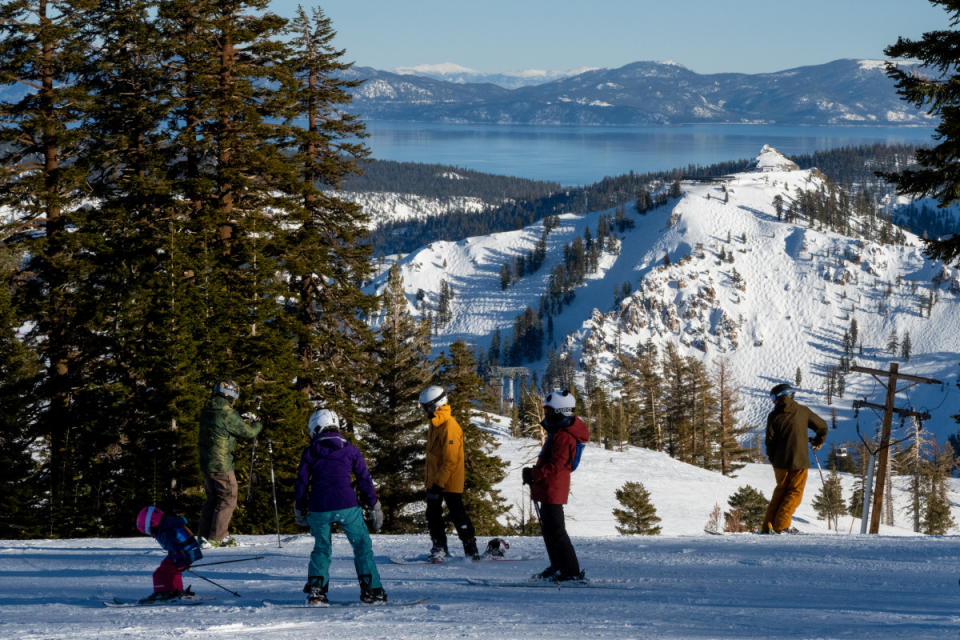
pixel 435 492
pixel 376 517
pixel 816 443
pixel 250 416
pixel 527 474
pixel 300 517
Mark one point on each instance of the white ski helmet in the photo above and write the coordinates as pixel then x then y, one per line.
pixel 322 420
pixel 432 398
pixel 562 402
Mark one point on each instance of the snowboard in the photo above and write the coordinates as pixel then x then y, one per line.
pixel 176 602
pixel 334 604
pixel 588 583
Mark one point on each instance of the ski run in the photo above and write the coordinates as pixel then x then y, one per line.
pixel 683 583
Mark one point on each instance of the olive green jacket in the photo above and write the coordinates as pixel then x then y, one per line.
pixel 220 426
pixel 787 428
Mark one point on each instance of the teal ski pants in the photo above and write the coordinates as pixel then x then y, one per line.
pixel 351 521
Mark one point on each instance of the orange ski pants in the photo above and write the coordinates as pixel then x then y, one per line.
pixel 786 497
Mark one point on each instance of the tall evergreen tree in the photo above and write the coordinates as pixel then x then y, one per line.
pixel 933 87
pixel 396 436
pixel 732 454
pixel 484 469
pixel 43 49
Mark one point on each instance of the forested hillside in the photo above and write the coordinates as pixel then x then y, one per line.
pixel 852 168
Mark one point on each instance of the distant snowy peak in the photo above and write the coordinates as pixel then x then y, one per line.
pixel 772 160
pixel 442 69
pixel 452 72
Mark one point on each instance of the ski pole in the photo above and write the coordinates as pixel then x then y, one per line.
pixel 253 455
pixel 817 458
pixel 273 483
pixel 212 582
pixel 210 564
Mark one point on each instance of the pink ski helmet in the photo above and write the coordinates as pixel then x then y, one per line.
pixel 148 519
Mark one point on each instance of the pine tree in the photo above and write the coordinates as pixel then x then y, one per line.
pixel 750 503
pixel 937 93
pixel 638 515
pixel 484 469
pixel 20 368
pixel 396 432
pixel 44 46
pixel 828 502
pixel 732 454
pixel 937 520
pixel 678 417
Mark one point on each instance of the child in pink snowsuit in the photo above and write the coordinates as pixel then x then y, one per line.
pixel 180 544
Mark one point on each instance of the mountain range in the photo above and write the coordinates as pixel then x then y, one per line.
pixel 841 92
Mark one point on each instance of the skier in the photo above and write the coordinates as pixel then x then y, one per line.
pixel 220 426
pixel 445 476
pixel 786 446
pixel 549 481
pixel 182 550
pixel 324 495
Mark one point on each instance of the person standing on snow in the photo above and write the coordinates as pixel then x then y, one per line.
pixel 786 446
pixel 323 495
pixel 220 426
pixel 549 481
pixel 445 476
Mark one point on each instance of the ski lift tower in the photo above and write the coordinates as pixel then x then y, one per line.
pixel 506 376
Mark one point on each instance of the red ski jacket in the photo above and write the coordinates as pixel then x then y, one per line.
pixel 551 474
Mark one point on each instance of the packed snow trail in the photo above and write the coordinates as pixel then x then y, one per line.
pixel 809 586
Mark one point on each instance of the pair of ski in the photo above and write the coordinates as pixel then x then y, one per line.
pixel 198 600
pixel 425 559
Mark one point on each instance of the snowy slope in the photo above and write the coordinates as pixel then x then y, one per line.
pixel 385 207
pixel 680 584
pixel 800 289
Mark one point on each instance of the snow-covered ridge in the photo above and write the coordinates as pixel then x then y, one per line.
pixel 772 297
pixel 385 207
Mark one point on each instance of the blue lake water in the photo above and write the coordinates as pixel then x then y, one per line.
pixel 583 155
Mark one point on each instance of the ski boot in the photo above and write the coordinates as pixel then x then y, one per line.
pixel 470 549
pixel 437 554
pixel 316 591
pixel 371 595
pixel 569 577
pixel 547 574
pixel 226 542
pixel 165 596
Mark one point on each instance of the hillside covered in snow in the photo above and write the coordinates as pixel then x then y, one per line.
pixel 719 273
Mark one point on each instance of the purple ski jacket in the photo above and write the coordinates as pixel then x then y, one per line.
pixel 323 478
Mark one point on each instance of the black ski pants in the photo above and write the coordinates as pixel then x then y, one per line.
pixel 458 516
pixel 560 550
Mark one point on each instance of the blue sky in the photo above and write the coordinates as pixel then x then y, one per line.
pixel 708 36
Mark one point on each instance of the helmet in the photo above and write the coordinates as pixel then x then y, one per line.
pixel 782 389
pixel 562 402
pixel 432 398
pixel 148 518
pixel 228 389
pixel 323 420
